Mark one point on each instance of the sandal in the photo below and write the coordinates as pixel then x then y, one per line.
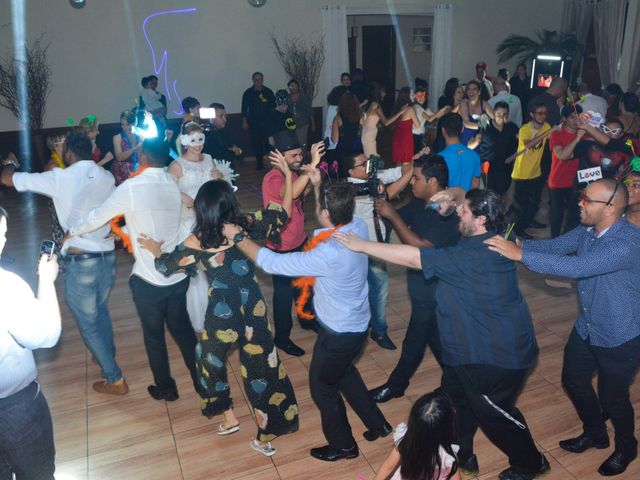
pixel 264 448
pixel 227 431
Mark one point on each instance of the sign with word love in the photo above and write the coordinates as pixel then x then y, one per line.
pixel 588 175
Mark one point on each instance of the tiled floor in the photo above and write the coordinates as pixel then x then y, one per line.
pixel 134 437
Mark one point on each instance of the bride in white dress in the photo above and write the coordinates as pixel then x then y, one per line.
pixel 191 170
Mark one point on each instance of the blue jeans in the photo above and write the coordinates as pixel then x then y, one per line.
pixel 26 436
pixel 378 280
pixel 87 284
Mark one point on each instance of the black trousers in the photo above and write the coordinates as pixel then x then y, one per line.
pixel 499 180
pixel 284 294
pixel 157 306
pixel 562 199
pixel 485 396
pixel 616 369
pixel 422 331
pixel 333 375
pixel 259 141
pixel 526 200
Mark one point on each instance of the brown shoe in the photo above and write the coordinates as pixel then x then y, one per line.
pixel 116 388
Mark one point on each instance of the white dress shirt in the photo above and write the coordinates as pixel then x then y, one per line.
pixel 25 324
pixel 515 107
pixel 75 191
pixel 151 205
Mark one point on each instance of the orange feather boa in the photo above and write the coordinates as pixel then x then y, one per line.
pixel 115 221
pixel 305 284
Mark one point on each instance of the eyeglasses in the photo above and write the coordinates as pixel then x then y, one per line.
pixel 586 199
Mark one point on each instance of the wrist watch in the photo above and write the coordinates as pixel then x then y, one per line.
pixel 239 237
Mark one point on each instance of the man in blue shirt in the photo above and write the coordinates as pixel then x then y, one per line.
pixel 488 342
pixel 463 163
pixel 603 254
pixel 341 305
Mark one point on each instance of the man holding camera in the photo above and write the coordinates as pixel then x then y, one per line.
pixel 89 260
pixel 363 173
pixel 293 235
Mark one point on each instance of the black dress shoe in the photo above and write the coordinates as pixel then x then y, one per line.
pixel 616 463
pixel 384 341
pixel 158 393
pixel 376 433
pixel 290 348
pixel 584 442
pixel 384 394
pixel 510 474
pixel 469 466
pixel 535 224
pixel 329 454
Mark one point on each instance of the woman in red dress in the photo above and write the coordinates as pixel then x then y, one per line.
pixel 402 141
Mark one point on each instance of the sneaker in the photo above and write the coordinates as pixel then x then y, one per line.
pixel 264 448
pixel 119 387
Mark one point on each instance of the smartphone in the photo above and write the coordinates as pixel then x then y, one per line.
pixel 47 247
pixel 207 113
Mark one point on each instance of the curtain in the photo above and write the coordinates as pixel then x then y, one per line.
pixel 632 73
pixel 442 51
pixel 608 25
pixel 336 44
pixel 576 17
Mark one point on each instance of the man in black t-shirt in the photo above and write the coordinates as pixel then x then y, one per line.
pixel 220 143
pixel 499 141
pixel 418 225
pixel 257 100
pixel 279 118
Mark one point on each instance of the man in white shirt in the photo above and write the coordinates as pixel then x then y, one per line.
pixel 354 167
pixel 26 431
pixel 89 260
pixel 591 102
pixel 502 95
pixel 150 203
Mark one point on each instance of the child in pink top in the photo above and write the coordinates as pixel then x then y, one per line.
pixel 424 448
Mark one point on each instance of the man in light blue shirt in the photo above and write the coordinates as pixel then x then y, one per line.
pixel 342 310
pixel 463 163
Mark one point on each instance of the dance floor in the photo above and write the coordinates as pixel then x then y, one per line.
pixel 134 437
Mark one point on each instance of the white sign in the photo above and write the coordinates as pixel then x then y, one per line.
pixel 589 175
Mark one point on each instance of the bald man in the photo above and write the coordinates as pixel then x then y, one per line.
pixel 501 89
pixel 556 90
pixel 603 255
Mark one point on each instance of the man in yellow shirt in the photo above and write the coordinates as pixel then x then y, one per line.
pixel 527 173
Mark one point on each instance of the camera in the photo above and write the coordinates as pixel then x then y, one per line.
pixel 372 186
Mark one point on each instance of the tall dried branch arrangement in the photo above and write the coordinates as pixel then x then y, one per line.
pixel 38 73
pixel 301 59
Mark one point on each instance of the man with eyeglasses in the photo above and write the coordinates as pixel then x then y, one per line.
pixel 527 171
pixel 602 255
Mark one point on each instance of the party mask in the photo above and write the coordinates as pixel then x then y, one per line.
pixel 193 140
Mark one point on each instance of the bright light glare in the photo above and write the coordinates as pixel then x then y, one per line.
pixel 549 57
pixel 396 28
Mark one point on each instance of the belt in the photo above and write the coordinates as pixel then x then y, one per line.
pixel 79 257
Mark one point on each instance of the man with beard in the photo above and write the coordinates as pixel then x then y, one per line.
pixel 257 100
pixel 293 235
pixel 478 295
pixel 602 255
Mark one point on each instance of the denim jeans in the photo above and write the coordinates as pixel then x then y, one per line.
pixel 87 284
pixel 26 436
pixel 378 280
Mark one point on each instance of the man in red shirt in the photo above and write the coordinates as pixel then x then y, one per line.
pixel 564 168
pixel 293 236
